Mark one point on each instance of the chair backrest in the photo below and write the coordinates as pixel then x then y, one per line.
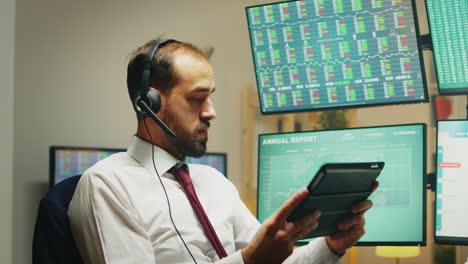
pixel 53 241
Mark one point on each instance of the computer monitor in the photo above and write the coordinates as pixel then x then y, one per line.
pixel 216 160
pixel 289 161
pixel 448 28
pixel 452 181
pixel 67 161
pixel 319 54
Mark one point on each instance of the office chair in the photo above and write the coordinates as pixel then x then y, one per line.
pixel 53 241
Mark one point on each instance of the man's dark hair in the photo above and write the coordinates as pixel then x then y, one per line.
pixel 163 74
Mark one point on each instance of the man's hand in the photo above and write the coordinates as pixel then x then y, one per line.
pixel 351 229
pixel 275 239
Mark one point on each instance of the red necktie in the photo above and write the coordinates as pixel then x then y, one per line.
pixel 184 179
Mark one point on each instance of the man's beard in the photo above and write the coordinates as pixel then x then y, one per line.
pixel 188 143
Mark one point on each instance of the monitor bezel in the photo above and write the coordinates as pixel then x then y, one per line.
pixel 447 240
pixel 442 91
pixel 313 109
pixel 424 181
pixel 52 156
pixel 222 154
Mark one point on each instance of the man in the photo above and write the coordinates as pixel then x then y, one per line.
pixel 131 208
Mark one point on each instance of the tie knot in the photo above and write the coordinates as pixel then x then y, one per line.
pixel 182 175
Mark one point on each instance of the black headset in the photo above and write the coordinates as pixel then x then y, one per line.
pixel 147 101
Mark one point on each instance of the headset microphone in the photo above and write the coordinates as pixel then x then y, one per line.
pixel 142 104
pixel 147 101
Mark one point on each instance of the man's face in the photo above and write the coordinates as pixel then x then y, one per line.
pixel 188 108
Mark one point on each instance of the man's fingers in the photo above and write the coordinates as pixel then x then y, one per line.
pixel 304 231
pixel 374 186
pixel 289 205
pixel 354 221
pixel 303 222
pixel 361 207
pixel 352 235
pixel 303 226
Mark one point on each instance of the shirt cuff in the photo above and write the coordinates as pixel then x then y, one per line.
pixel 234 258
pixel 326 255
pixel 317 252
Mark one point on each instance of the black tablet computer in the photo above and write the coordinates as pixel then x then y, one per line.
pixel 335 188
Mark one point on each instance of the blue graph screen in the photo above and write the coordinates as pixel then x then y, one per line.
pixel 318 54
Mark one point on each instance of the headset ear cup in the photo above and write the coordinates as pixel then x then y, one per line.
pixel 136 100
pixel 154 100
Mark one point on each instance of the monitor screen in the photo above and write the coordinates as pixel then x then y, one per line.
pixel 288 162
pixel 212 159
pixel 68 161
pixel 318 54
pixel 448 22
pixel 452 180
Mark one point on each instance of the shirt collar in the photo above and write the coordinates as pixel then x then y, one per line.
pixel 141 151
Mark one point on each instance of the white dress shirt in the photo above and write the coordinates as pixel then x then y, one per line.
pixel 119 213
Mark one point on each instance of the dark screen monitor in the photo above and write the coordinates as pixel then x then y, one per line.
pixel 216 160
pixel 448 23
pixel 289 161
pixel 67 161
pixel 452 181
pixel 319 54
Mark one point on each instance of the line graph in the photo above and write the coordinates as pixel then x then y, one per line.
pixel 286 167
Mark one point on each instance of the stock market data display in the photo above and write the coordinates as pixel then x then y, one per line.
pixel 71 161
pixel 289 161
pixel 212 159
pixel 317 54
pixel 452 180
pixel 448 21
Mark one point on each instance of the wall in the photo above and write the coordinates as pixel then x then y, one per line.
pixel 7 50
pixel 71 88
